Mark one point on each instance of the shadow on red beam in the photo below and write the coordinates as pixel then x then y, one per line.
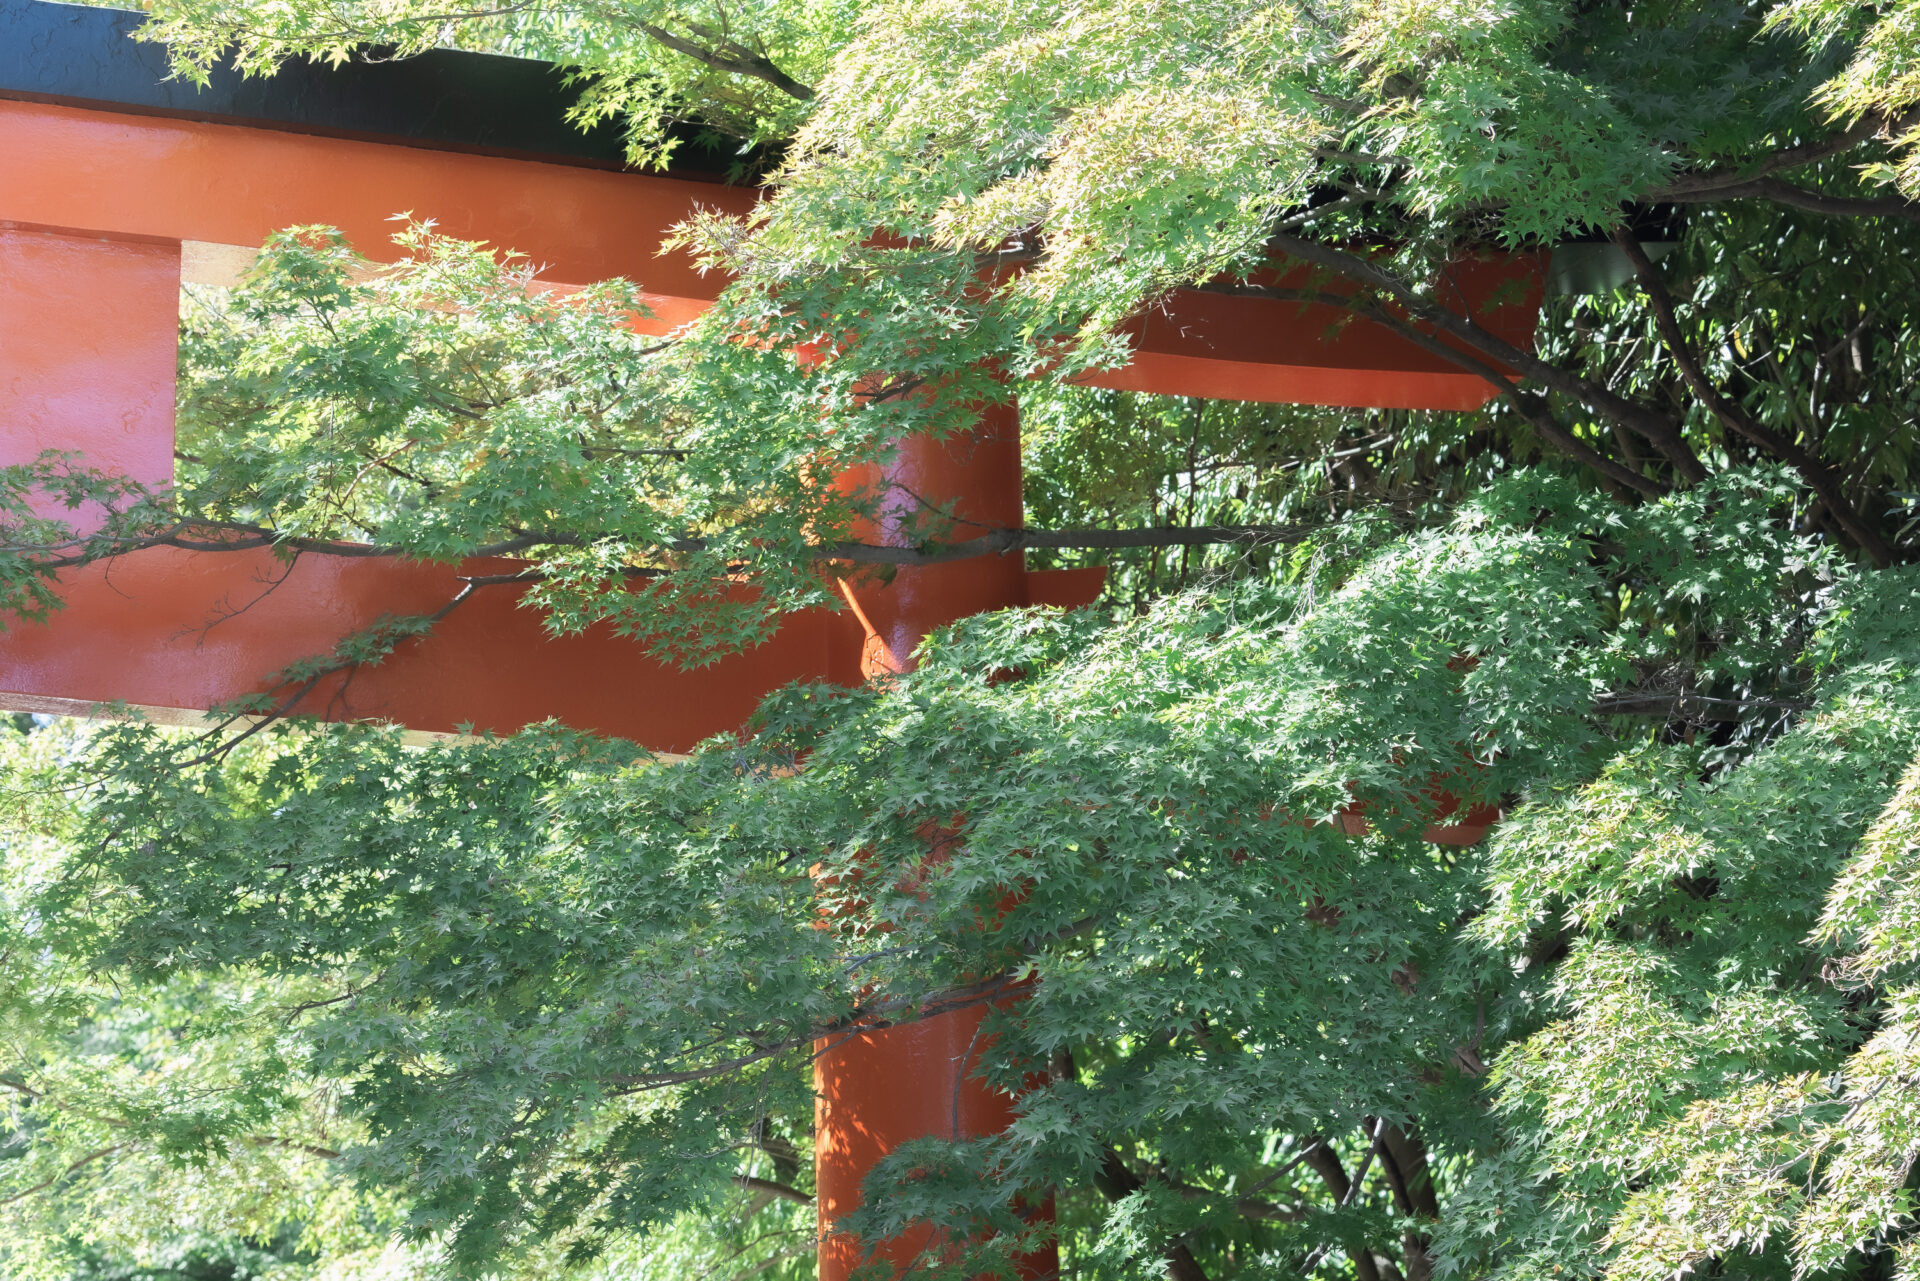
pixel 175 630
pixel 1245 347
pixel 183 630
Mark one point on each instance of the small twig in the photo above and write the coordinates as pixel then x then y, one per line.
pixel 44 1184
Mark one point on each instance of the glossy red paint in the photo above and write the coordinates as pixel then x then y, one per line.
pixel 87 350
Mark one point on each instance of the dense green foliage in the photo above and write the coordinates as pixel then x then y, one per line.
pixel 313 1003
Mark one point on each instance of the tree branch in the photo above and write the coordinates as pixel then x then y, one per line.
pixel 1000 542
pixel 1692 706
pixel 1703 184
pixel 292 1145
pixel 1325 1162
pixel 1735 419
pixel 892 1012
pixel 1664 435
pixel 1781 192
pixel 997 542
pixel 746 64
pixel 44 1184
pixel 781 1190
pixel 1528 407
pixel 282 710
pixel 1403 1158
pixel 1116 1181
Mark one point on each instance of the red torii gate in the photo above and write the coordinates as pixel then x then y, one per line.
pixel 102 208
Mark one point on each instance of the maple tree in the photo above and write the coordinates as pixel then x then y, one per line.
pixel 542 1004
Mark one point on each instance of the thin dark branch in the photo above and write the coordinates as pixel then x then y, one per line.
pixel 291 1145
pixel 1781 192
pixel 1689 706
pixel 20 1087
pixel 285 708
pixel 79 1164
pixel 1001 542
pixel 1661 431
pixel 1325 1162
pixel 1736 419
pixel 1714 183
pixel 998 541
pixel 234 536
pixel 876 1017
pixel 1531 408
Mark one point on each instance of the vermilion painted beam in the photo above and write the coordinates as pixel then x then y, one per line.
pixel 87 350
pixel 165 629
pixel 176 630
pixel 87 362
pixel 165 180
pixel 1240 347
pixel 141 177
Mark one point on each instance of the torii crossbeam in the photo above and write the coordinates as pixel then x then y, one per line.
pixel 114 187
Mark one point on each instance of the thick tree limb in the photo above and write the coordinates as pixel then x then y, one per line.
pixel 1403 1159
pixel 1734 418
pixel 1117 1181
pixel 780 1190
pixel 744 62
pixel 1325 1162
pixel 20 1087
pixel 1781 192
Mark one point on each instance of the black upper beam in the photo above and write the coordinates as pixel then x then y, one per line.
pixel 80 56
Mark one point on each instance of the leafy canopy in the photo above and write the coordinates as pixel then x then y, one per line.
pixel 537 1006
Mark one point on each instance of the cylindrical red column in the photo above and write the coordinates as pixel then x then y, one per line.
pixel 974 477
pixel 878 1090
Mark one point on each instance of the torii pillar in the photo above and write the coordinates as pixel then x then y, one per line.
pixel 110 181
